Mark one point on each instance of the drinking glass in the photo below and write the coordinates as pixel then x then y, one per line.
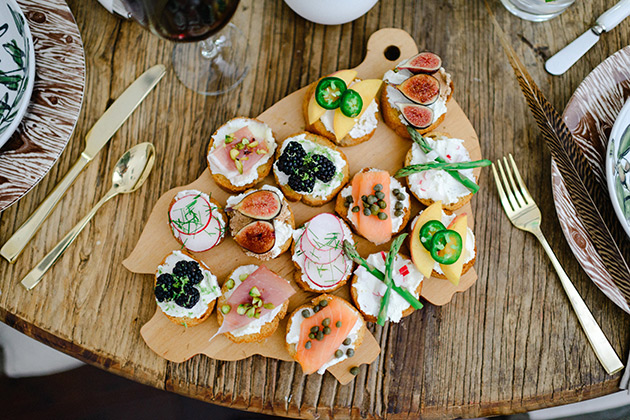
pixel 537 10
pixel 211 54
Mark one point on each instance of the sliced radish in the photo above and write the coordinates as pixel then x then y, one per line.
pixel 177 210
pixel 205 239
pixel 320 228
pixel 322 255
pixel 326 275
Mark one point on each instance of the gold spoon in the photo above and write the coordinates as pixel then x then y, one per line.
pixel 130 172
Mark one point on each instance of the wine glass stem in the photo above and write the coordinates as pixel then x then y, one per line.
pixel 209 48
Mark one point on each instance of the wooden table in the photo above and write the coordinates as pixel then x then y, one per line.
pixel 509 344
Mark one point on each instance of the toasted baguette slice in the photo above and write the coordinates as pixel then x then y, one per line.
pixel 266 330
pixel 318 126
pixel 427 202
pixel 219 210
pixel 296 315
pixel 187 321
pixel 298 273
pixel 310 199
pixel 237 221
pixel 371 318
pixel 342 211
pixel 262 171
pixel 391 115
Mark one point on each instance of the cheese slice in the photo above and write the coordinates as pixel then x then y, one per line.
pixel 315 111
pixel 419 255
pixel 368 90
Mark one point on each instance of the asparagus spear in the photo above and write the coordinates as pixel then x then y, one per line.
pixel 454 166
pixel 389 267
pixel 420 141
pixel 352 253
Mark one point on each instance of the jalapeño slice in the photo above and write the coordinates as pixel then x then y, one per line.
pixel 351 103
pixel 427 231
pixel 329 92
pixel 446 246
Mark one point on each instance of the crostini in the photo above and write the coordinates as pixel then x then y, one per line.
pixel 253 302
pixel 416 94
pixel 310 168
pixel 442 245
pixel 436 184
pixel 261 222
pixel 368 291
pixel 185 289
pixel 317 253
pixel 375 205
pixel 197 220
pixel 342 108
pixel 240 153
pixel 323 333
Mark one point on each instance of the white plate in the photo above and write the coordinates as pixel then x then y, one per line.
pixel 618 167
pixel 17 67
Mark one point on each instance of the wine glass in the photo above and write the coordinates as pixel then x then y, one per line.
pixel 210 56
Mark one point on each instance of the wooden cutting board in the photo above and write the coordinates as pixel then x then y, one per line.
pixel 385 150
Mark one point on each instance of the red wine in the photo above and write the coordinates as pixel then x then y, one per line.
pixel 182 20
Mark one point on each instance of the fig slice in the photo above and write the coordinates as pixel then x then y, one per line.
pixel 422 89
pixel 425 62
pixel 418 116
pixel 258 237
pixel 260 205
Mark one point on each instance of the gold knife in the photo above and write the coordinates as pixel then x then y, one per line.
pixel 95 139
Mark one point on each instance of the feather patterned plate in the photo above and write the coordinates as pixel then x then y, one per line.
pixel 590 115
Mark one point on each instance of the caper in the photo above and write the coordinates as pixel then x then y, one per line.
pixel 382 216
pixel 347 341
pixel 349 198
pixel 396 191
pixel 371 199
pixel 398 205
pixel 354 370
pixel 308 345
pixel 326 322
pixel 364 197
pixel 316 308
pixel 380 195
pixel 373 213
pixel 320 336
pixel 400 196
pixel 346 204
pixel 349 353
pixel 314 329
pixel 374 208
pixel 327 330
pixel 382 204
pixel 338 353
pixel 366 211
pixel 323 303
pixel 378 187
pixel 355 209
pixel 306 313
pixel 311 336
pixel 338 324
pixel 398 213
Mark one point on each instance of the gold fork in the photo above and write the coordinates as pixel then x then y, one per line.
pixel 525 215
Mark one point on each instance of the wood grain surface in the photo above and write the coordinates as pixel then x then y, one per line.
pixel 510 343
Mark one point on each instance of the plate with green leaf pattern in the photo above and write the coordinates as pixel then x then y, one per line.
pixel 17 67
pixel 618 166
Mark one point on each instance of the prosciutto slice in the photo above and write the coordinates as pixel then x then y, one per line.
pixel 221 155
pixel 273 289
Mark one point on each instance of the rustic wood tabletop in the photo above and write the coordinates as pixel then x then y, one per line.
pixel 509 344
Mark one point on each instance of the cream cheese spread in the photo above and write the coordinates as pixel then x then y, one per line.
pixel 370 290
pixel 437 184
pixel 208 288
pixel 256 325
pixel 260 130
